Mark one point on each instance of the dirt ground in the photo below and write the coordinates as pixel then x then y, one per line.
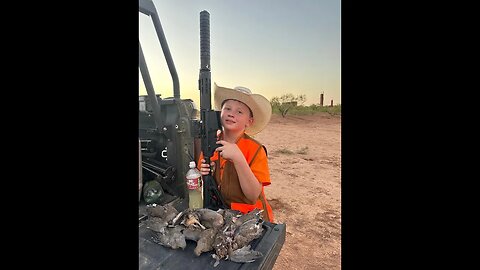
pixel 305 168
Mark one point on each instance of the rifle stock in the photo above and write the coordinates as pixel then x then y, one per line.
pixel 210 119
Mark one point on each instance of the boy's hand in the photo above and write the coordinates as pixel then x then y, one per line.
pixel 229 151
pixel 205 168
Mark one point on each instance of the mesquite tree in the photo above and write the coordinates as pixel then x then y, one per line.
pixel 287 101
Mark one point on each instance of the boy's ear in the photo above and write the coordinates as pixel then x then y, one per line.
pixel 250 122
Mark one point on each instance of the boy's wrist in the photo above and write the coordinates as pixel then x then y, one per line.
pixel 238 160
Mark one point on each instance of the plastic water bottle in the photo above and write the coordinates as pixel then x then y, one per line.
pixel 194 185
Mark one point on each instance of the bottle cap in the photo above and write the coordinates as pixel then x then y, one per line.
pixel 192 164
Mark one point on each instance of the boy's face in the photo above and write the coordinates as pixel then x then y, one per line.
pixel 235 116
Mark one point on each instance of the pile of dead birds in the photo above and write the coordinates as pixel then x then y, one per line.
pixel 227 232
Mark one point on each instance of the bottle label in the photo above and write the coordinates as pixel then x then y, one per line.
pixel 192 183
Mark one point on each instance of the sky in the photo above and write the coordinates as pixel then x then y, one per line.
pixel 272 47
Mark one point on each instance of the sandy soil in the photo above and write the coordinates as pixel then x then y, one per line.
pixel 305 189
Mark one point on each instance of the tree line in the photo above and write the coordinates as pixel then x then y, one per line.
pixel 294 103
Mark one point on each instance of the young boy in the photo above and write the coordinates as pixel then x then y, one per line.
pixel 240 165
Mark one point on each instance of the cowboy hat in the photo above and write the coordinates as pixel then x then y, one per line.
pixel 258 104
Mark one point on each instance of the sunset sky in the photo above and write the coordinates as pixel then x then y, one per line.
pixel 273 47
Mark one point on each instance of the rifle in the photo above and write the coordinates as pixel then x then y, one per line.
pixel 209 119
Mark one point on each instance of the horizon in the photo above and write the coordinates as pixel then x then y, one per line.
pixel 271 47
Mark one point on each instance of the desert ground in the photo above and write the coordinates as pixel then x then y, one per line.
pixel 305 168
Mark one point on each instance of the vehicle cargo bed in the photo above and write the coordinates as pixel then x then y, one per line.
pixel 155 256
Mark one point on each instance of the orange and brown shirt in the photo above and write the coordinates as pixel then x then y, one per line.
pixel 226 177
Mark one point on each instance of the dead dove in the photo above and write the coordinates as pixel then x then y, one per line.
pixel 205 243
pixel 244 255
pixel 170 237
pixel 247 232
pixel 166 212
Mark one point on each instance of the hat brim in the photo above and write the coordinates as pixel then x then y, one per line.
pixel 260 106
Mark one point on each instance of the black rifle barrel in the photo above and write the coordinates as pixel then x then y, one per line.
pixel 209 118
pixel 205 76
pixel 205 87
pixel 204 40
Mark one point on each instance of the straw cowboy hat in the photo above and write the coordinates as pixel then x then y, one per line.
pixel 258 104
